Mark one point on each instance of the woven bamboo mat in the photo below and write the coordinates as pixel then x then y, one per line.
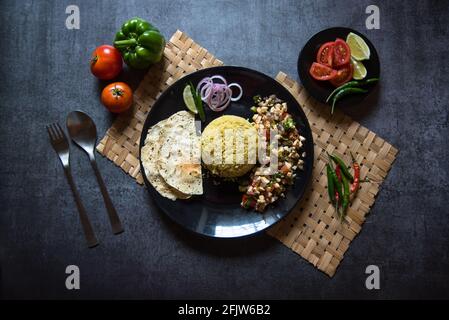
pixel 312 230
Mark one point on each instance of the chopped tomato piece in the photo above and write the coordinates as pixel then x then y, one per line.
pixel 325 54
pixel 342 53
pixel 344 74
pixel 321 72
pixel 284 169
pixel 248 202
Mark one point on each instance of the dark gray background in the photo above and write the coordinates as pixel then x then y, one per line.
pixel 45 74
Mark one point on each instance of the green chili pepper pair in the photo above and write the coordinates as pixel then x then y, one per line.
pixel 334 187
pixel 351 87
pixel 140 43
pixel 343 167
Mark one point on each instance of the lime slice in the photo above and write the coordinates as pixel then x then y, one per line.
pixel 358 46
pixel 359 70
pixel 188 99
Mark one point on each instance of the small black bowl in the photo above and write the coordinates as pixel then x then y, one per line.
pixel 320 90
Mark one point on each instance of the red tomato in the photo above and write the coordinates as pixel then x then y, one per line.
pixel 325 54
pixel 285 169
pixel 117 97
pixel 106 62
pixel 321 72
pixel 248 202
pixel 344 74
pixel 342 53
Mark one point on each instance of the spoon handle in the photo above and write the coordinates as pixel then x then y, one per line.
pixel 113 217
pixel 85 223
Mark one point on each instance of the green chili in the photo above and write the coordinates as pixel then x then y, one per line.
pixel 344 92
pixel 353 84
pixel 337 183
pixel 343 167
pixel 346 194
pixel 369 81
pixel 198 102
pixel 346 85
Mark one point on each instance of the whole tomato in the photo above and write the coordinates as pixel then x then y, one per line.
pixel 117 97
pixel 106 62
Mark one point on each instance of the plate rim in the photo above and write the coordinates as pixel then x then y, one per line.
pixel 153 191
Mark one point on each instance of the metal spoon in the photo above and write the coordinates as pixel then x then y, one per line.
pixel 83 132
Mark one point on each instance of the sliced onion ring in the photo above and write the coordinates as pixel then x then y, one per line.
pixel 240 88
pixel 217 95
pixel 220 78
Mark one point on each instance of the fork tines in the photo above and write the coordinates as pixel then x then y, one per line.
pixel 55 132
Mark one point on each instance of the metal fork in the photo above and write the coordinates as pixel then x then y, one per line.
pixel 61 145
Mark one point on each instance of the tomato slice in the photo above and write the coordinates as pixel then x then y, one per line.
pixel 321 72
pixel 344 74
pixel 325 54
pixel 342 53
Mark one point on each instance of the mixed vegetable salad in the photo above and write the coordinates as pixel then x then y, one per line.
pixel 270 113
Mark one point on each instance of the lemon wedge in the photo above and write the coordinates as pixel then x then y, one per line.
pixel 189 100
pixel 359 48
pixel 359 69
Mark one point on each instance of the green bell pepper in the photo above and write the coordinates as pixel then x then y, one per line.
pixel 140 43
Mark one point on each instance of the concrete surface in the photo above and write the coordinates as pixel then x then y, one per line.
pixel 45 74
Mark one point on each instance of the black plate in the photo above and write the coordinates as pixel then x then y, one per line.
pixel 320 90
pixel 217 213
